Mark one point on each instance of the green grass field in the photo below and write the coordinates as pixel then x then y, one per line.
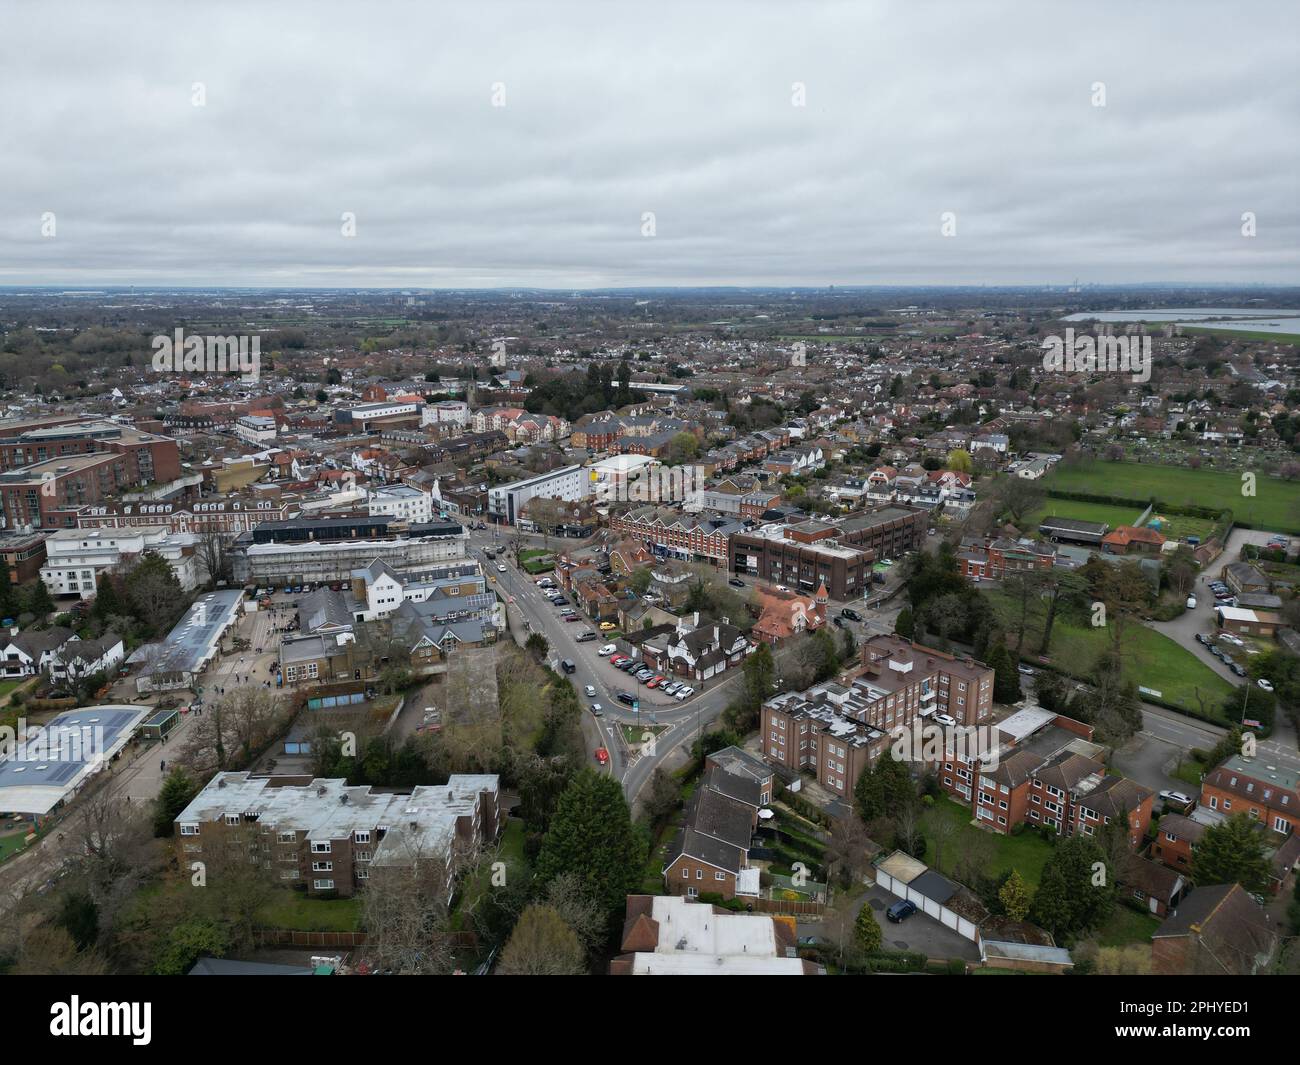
pixel 295 910
pixel 1246 334
pixel 1275 505
pixel 1151 659
pixel 1113 516
pixel 1027 853
pixel 1125 925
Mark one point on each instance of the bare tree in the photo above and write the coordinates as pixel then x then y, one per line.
pixel 406 905
pixel 232 728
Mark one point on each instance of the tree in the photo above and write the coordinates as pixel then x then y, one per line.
pixel 39 601
pixel 1006 676
pixel 1018 496
pixel 1232 852
pixel 885 789
pixel 537 645
pixel 959 461
pixel 542 945
pixel 759 669
pixel 213 558
pixel 187 942
pixel 1015 896
pixel 1076 890
pixel 664 796
pixel 903 624
pixel 591 836
pixel 848 850
pixel 405 906
pixel 867 936
pixel 108 603
pixel 177 792
pixel 1063 587
pixel 155 594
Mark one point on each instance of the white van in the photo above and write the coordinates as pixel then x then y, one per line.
pixel 607 650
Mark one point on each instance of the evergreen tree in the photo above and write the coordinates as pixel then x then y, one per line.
pixel 1006 678
pixel 867 936
pixel 176 793
pixel 1014 896
pixel 8 597
pixel 1076 891
pixel 39 601
pixel 591 836
pixel 1232 852
pixel 759 669
pixel 107 602
pixel 903 624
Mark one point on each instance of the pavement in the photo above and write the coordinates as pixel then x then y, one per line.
pixel 918 932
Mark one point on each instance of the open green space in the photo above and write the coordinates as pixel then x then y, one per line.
pixel 1112 515
pixel 1151 659
pixel 297 911
pixel 1027 853
pixel 1125 925
pixel 1275 505
pixel 1245 334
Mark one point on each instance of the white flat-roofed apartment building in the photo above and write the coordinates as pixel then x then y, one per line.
pixel 329 836
pixel 401 501
pixel 446 412
pixel 570 483
pixel 256 429
pixel 74 558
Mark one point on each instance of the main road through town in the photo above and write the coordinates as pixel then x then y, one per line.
pixel 677 723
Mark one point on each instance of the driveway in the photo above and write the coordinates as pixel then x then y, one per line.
pixel 918 932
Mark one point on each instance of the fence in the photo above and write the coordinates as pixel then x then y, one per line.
pixel 964 928
pixel 788 907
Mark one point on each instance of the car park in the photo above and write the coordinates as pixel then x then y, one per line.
pixel 900 910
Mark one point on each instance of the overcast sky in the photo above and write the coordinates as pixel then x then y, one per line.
pixel 616 109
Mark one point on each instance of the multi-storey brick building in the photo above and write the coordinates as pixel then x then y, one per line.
pixel 328 836
pixel 685 536
pixel 149 458
pixel 836 732
pixel 1266 792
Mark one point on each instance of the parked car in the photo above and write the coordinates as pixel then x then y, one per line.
pixel 1177 799
pixel 1201 638
pixel 670 687
pixel 1265 684
pixel 1191 602
pixel 626 697
pixel 736 583
pixel 1027 672
pixel 945 720
pixel 900 910
pixel 607 626
pixel 1238 670
pixel 607 650
pixel 682 693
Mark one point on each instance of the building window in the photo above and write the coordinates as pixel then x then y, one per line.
pixel 323 885
pixel 320 846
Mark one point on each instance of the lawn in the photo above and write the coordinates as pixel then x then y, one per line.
pixel 1027 852
pixel 1126 926
pixel 1151 659
pixel 1275 505
pixel 1072 508
pixel 301 913
pixel 6 686
pixel 11 844
pixel 511 851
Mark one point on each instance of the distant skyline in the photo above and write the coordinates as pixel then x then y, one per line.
pixel 776 145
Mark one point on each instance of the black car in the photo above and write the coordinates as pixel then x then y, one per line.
pixel 735 583
pixel 900 910
pixel 625 697
pixel 851 614
pixel 838 622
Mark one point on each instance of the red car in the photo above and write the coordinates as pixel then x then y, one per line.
pixel 655 681
pixel 602 755
pixel 618 660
